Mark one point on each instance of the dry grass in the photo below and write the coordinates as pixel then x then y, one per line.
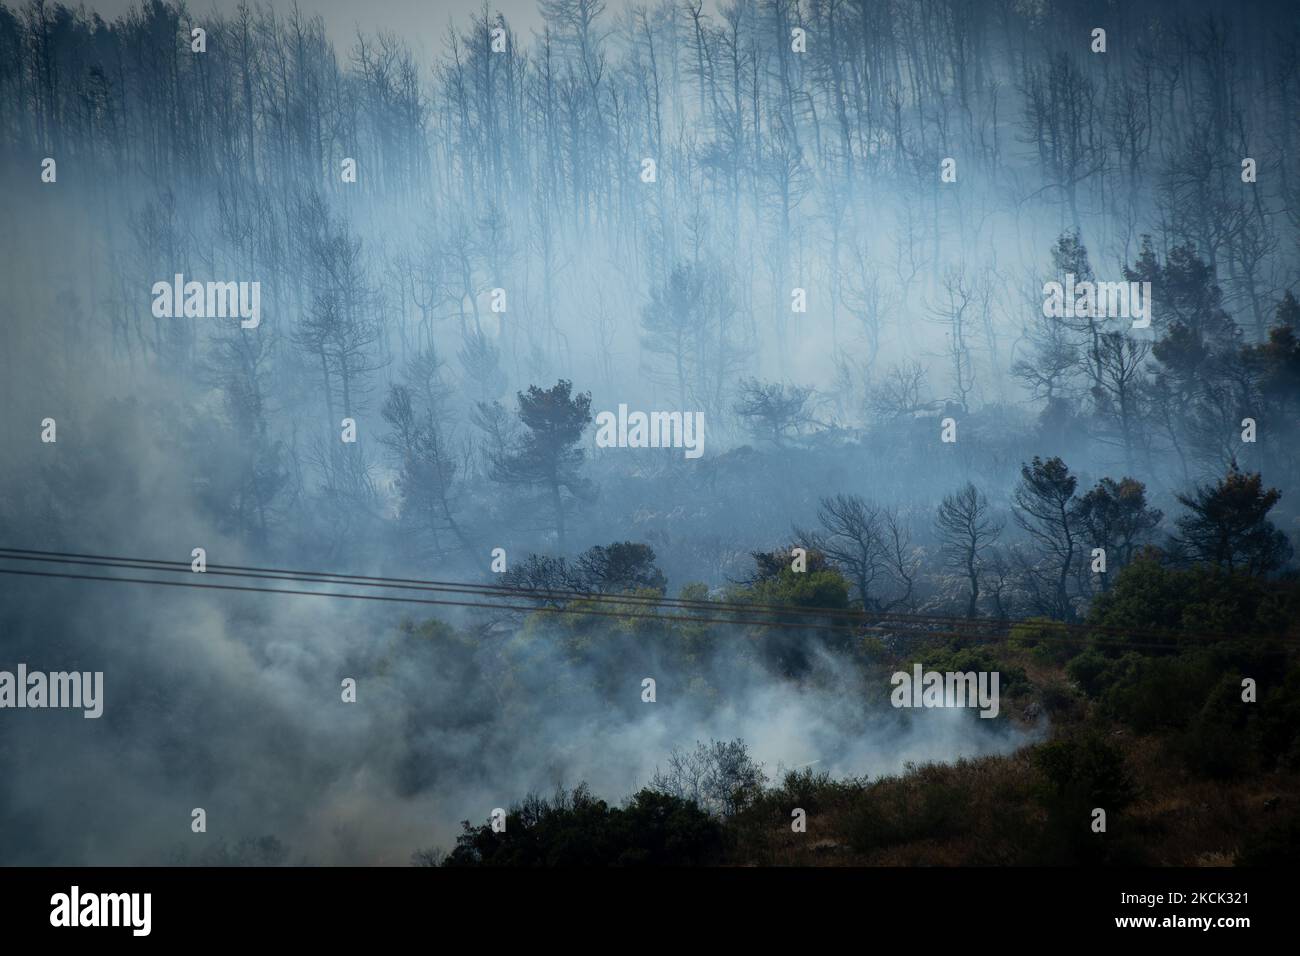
pixel 996 810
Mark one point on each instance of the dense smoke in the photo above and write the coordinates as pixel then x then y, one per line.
pixel 826 251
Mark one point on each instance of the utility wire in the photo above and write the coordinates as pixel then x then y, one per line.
pixel 115 579
pixel 966 628
pixel 492 590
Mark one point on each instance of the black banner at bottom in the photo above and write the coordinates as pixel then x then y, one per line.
pixel 334 905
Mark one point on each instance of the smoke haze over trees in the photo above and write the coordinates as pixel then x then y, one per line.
pixel 658 205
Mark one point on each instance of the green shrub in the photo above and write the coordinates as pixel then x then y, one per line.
pixel 1086 771
pixel 1092 671
pixel 1045 639
pixel 576 829
pixel 1153 693
pixel 1011 682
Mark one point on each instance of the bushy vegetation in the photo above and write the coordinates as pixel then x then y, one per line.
pixel 577 829
pixel 1156 734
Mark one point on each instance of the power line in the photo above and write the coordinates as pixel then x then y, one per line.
pixel 751 610
pixel 857 616
pixel 966 628
pixel 412 600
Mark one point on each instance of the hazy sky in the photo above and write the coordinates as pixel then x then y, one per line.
pixel 421 23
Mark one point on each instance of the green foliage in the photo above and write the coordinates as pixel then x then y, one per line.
pixel 812 790
pixel 1094 672
pixel 1227 524
pixel 713 804
pixel 1116 517
pixel 1011 682
pixel 694 591
pixel 1278 722
pixel 576 829
pixel 1058 698
pixel 1046 639
pixel 1085 772
pixel 549 454
pixel 825 588
pixel 788 650
pixel 619 567
pixel 1150 595
pixel 926 804
pixel 1197 694
pixel 1276 365
pixel 428 641
pixel 1163 692
pixel 603 569
pixel 1045 508
pixel 1218 741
